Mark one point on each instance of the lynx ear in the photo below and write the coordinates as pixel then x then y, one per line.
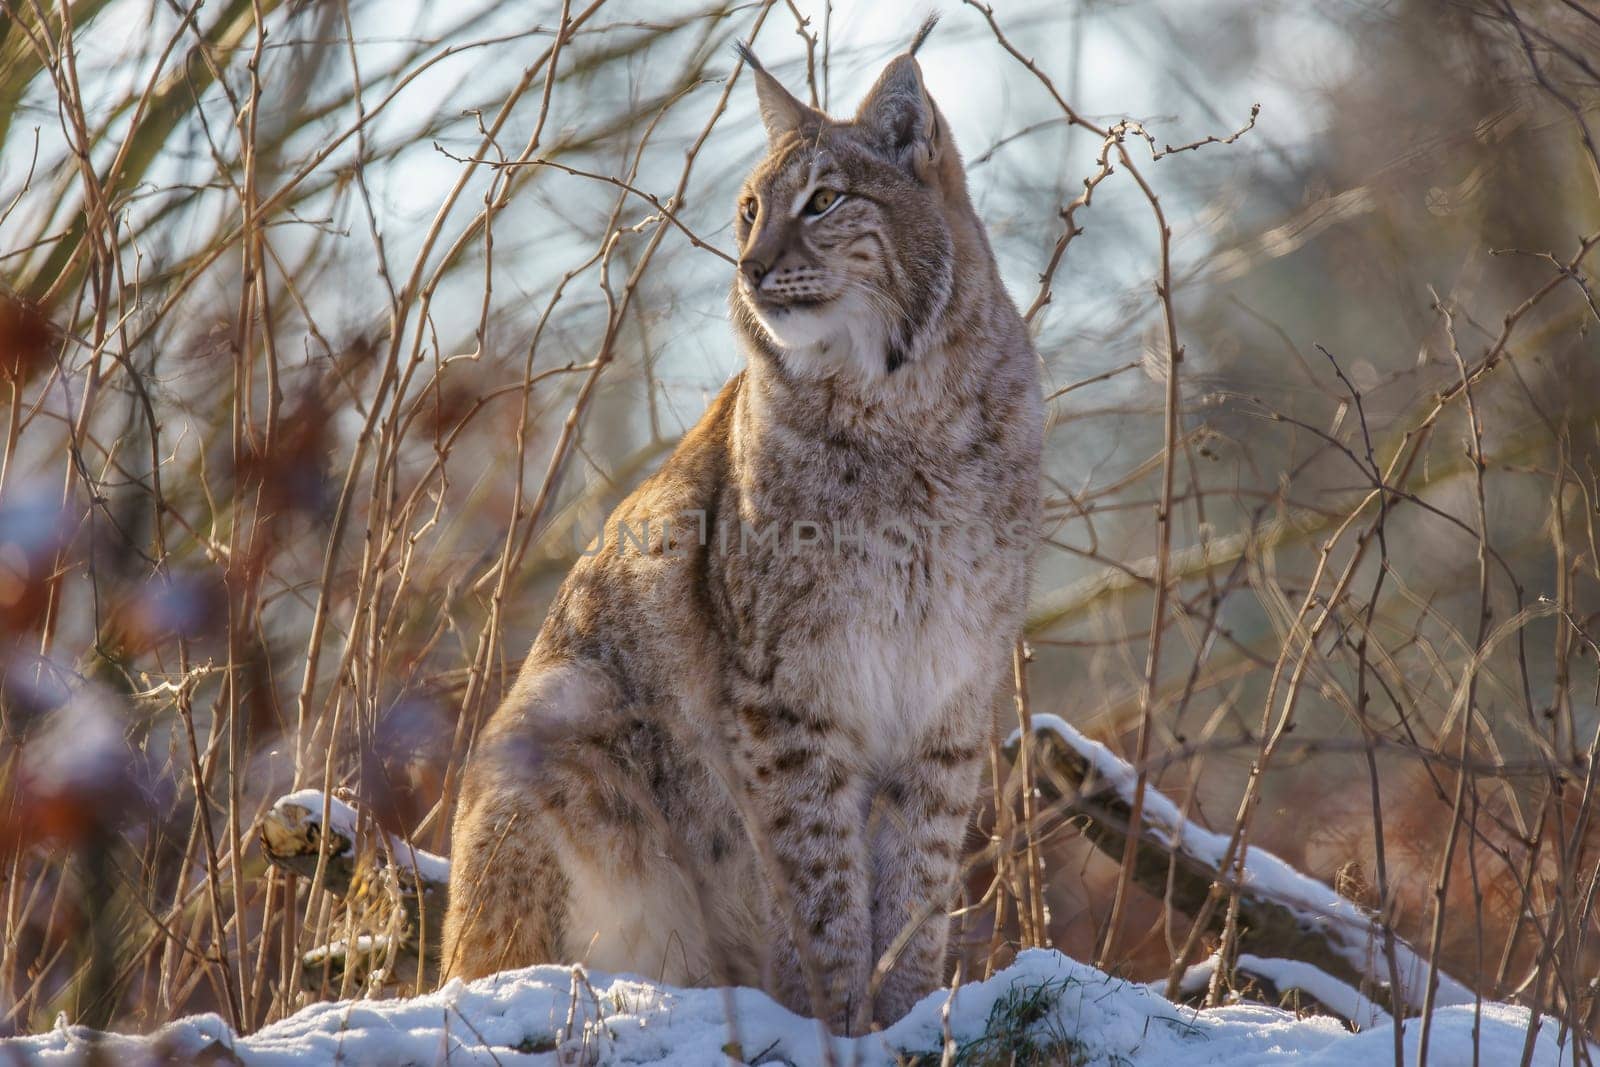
pixel 902 114
pixel 781 113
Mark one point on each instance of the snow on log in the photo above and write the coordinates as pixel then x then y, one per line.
pixel 290 832
pixel 291 835
pixel 1275 981
pixel 1283 914
pixel 376 963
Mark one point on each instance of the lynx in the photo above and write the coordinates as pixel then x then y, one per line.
pixel 746 744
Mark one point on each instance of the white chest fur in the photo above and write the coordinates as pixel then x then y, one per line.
pixel 903 652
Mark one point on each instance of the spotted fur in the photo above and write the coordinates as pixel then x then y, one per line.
pixel 740 757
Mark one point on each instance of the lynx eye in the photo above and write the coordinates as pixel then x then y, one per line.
pixel 822 200
pixel 747 210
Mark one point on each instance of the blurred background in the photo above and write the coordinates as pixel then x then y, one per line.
pixel 330 331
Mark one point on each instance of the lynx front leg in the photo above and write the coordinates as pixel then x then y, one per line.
pixel 805 803
pixel 918 823
pixel 508 887
pixel 508 892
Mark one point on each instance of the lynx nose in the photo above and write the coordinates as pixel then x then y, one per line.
pixel 753 270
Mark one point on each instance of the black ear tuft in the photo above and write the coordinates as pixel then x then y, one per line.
pixel 781 113
pixel 742 50
pixel 923 31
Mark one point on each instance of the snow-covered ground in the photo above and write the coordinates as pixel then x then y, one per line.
pixel 1063 1011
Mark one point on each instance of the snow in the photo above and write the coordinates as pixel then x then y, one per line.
pixel 1293 974
pixel 561 1015
pixel 304 807
pixel 1352 929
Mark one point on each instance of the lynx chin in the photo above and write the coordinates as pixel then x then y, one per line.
pixel 757 767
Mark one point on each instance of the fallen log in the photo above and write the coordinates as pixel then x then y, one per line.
pixel 387 876
pixel 1283 915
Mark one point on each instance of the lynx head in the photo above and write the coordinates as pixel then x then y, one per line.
pixel 849 230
